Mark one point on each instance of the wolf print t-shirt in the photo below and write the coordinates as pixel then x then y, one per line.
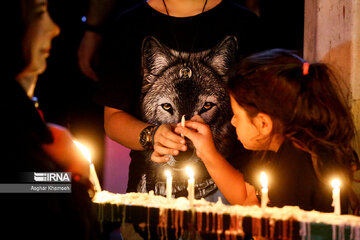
pixel 158 68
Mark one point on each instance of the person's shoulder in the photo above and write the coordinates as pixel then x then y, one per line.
pixel 238 10
pixel 299 158
pixel 139 10
pixel 128 21
pixel 328 163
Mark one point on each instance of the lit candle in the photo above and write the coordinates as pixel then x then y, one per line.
pixel 191 186
pixel 168 184
pixel 264 190
pixel 92 176
pixel 336 196
pixel 182 123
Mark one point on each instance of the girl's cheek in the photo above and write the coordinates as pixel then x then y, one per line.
pixel 233 121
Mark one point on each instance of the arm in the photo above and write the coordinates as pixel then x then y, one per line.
pixel 125 129
pixel 220 170
pixel 99 11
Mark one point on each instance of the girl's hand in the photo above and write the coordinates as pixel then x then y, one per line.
pixel 200 135
pixel 218 167
pixel 166 142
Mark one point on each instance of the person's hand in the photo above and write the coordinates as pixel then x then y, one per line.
pixel 89 45
pixel 200 135
pixel 197 118
pixel 64 151
pixel 166 142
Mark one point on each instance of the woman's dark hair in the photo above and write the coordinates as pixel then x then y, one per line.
pixel 13 33
pixel 308 109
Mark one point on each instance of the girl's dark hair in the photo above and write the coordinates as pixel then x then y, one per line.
pixel 308 109
pixel 13 32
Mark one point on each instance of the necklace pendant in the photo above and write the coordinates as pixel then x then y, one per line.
pixel 167 11
pixel 185 73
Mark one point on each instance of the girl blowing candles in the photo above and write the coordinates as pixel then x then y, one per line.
pixel 293 114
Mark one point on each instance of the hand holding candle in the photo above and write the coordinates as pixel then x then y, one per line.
pixel 168 184
pixel 92 176
pixel 63 151
pixel 191 186
pixel 336 196
pixel 264 190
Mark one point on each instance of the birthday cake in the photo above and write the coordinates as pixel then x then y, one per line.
pixel 156 217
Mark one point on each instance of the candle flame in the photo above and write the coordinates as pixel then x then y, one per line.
pixel 263 180
pixel 190 172
pixel 335 183
pixel 167 173
pixel 84 150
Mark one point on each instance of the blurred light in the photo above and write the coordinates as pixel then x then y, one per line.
pixel 190 172
pixel 83 19
pixel 167 173
pixel 264 180
pixel 335 183
pixel 85 151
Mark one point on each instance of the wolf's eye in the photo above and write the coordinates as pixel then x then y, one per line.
pixel 207 106
pixel 167 107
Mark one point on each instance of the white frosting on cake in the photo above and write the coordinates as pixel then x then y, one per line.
pixel 285 213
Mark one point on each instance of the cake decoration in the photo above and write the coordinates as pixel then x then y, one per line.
pixel 171 219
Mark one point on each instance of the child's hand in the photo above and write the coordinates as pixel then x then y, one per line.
pixel 200 135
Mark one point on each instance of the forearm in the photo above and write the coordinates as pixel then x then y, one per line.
pixel 123 128
pixel 229 180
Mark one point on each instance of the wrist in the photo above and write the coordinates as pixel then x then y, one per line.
pixel 153 135
pixel 211 158
pixel 146 137
pixel 94 28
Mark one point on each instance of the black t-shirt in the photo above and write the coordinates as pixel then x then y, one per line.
pixel 121 73
pixel 158 68
pixel 292 178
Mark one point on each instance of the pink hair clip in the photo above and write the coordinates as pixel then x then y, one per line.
pixel 306 66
